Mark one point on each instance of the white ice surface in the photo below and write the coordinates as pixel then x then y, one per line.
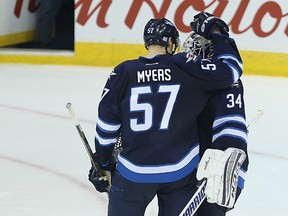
pixel 44 166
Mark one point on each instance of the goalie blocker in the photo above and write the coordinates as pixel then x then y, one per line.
pixel 221 169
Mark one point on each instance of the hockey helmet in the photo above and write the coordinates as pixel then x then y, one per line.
pixel 158 31
pixel 198 45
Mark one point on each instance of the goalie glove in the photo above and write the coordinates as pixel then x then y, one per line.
pixel 221 169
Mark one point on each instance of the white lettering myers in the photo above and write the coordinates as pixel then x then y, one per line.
pixel 154 75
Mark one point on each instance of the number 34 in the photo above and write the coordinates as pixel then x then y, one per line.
pixel 234 100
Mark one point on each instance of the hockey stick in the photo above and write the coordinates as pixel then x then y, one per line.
pixel 260 113
pixel 83 138
pixel 196 200
pixel 199 196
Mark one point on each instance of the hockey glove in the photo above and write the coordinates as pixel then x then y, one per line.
pixel 221 169
pixel 206 24
pixel 101 178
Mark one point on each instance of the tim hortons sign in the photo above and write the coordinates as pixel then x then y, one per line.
pixel 271 11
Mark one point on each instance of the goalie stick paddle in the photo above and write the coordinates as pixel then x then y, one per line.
pixel 83 137
pixel 199 196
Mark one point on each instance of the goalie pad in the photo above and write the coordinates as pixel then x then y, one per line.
pixel 221 169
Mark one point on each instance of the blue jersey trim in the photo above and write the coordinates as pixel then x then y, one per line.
pixel 159 177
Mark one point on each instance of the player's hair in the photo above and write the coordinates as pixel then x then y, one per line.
pixel 198 45
pixel 158 31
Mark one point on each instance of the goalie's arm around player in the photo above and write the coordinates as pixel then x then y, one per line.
pixel 223 139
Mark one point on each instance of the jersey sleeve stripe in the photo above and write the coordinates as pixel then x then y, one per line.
pixel 239 63
pixel 107 127
pixel 236 69
pixel 229 118
pixel 232 132
pixel 105 141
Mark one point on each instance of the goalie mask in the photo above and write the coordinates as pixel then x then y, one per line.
pixel 198 45
pixel 158 31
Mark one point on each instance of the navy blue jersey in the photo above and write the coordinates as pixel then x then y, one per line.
pixel 222 124
pixel 154 103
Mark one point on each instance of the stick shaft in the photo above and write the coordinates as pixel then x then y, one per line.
pixel 83 137
pixel 260 113
pixel 195 202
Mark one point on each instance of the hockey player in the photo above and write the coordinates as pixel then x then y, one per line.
pixel 154 102
pixel 222 126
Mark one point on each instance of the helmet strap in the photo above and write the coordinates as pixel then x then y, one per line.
pixel 168 52
pixel 174 47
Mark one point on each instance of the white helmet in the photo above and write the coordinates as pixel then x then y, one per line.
pixel 198 45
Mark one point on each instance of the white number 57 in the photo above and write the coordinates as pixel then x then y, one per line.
pixel 147 109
